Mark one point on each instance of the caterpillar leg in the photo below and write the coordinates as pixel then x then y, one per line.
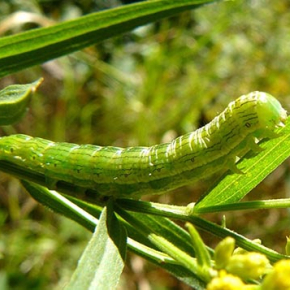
pixel 233 167
pixel 255 147
pixel 50 182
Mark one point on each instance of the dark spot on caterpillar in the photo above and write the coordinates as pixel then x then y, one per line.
pixel 248 125
pixel 192 159
pixel 11 150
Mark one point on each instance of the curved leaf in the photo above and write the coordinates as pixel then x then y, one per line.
pixel 106 250
pixel 14 101
pixel 234 187
pixel 39 45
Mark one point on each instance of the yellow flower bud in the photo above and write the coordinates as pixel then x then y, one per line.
pixel 248 266
pixel 225 282
pixel 223 252
pixel 278 278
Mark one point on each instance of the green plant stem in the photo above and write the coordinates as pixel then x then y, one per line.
pixel 205 225
pixel 165 246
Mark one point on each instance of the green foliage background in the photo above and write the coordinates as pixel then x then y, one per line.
pixel 142 88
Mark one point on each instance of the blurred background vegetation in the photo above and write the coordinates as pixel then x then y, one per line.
pixel 145 87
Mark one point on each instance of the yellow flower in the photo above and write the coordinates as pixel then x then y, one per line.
pixel 278 278
pixel 226 282
pixel 248 266
pixel 223 252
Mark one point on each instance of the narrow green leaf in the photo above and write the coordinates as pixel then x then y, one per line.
pixel 85 213
pixel 202 255
pixel 233 187
pixel 247 205
pixel 177 271
pixel 170 247
pixel 61 205
pixel 102 262
pixel 211 228
pixel 14 101
pixel 106 249
pixel 39 45
pixel 160 226
pixel 164 227
pixel 241 241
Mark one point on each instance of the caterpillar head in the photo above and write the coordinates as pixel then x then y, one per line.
pixel 270 113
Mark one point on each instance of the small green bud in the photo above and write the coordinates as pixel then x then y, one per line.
pixel 223 252
pixel 278 278
pixel 248 266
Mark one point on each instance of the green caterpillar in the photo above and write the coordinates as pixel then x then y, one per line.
pixel 136 171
